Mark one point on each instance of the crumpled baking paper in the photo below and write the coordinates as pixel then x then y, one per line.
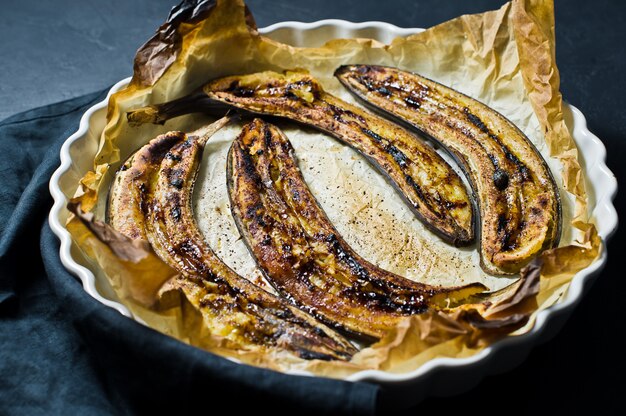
pixel 504 58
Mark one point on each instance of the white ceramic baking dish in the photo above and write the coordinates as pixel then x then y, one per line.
pixel 441 376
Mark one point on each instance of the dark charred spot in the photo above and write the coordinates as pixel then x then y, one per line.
pixel 525 172
pixel 176 183
pixel 345 257
pixel 250 212
pixel 267 240
pixel 308 83
pixel 418 189
pixel 413 101
pixel 507 244
pixel 366 82
pixel 305 271
pixel 289 94
pixel 234 84
pixel 500 179
pixel 223 289
pixel 318 331
pixel 173 156
pixel 330 238
pixel 255 213
pixel 376 296
pixel 176 214
pixel 267 137
pixel 159 148
pixel 124 167
pixel 187 144
pixel 454 205
pixel 249 170
pixel 339 113
pixel 494 160
pixel 475 120
pixel 235 89
pixel 285 314
pixel 243 92
pixel 377 138
pixel 502 222
pixel 302 85
pixel 521 167
pixel 189 249
pixel 313 355
pixel 505 234
pixel 443 204
pixel 383 91
pixel 285 146
pixel 175 178
pixel 216 304
pixel 397 155
pixel 296 195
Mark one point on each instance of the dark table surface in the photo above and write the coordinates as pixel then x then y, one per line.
pixel 52 51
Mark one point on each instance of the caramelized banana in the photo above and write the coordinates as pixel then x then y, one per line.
pixel 151 198
pixel 431 187
pixel 127 205
pixel 303 255
pixel 517 196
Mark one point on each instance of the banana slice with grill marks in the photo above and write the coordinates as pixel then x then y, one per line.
pixel 151 199
pixel 427 182
pixel 303 255
pixel 517 195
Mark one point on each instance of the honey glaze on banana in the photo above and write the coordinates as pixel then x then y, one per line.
pixel 517 196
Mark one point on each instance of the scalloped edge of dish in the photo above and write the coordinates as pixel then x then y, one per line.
pixel 598 175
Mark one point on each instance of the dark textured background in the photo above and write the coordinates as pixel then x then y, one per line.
pixel 60 49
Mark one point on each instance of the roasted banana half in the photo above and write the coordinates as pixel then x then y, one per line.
pixel 517 195
pixel 151 199
pixel 303 255
pixel 427 182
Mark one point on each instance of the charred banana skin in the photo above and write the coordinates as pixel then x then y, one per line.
pixel 517 195
pixel 231 306
pixel 302 254
pixel 431 187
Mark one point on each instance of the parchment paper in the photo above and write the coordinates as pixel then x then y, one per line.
pixel 504 58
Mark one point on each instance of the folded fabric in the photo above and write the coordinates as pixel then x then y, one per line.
pixel 62 352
